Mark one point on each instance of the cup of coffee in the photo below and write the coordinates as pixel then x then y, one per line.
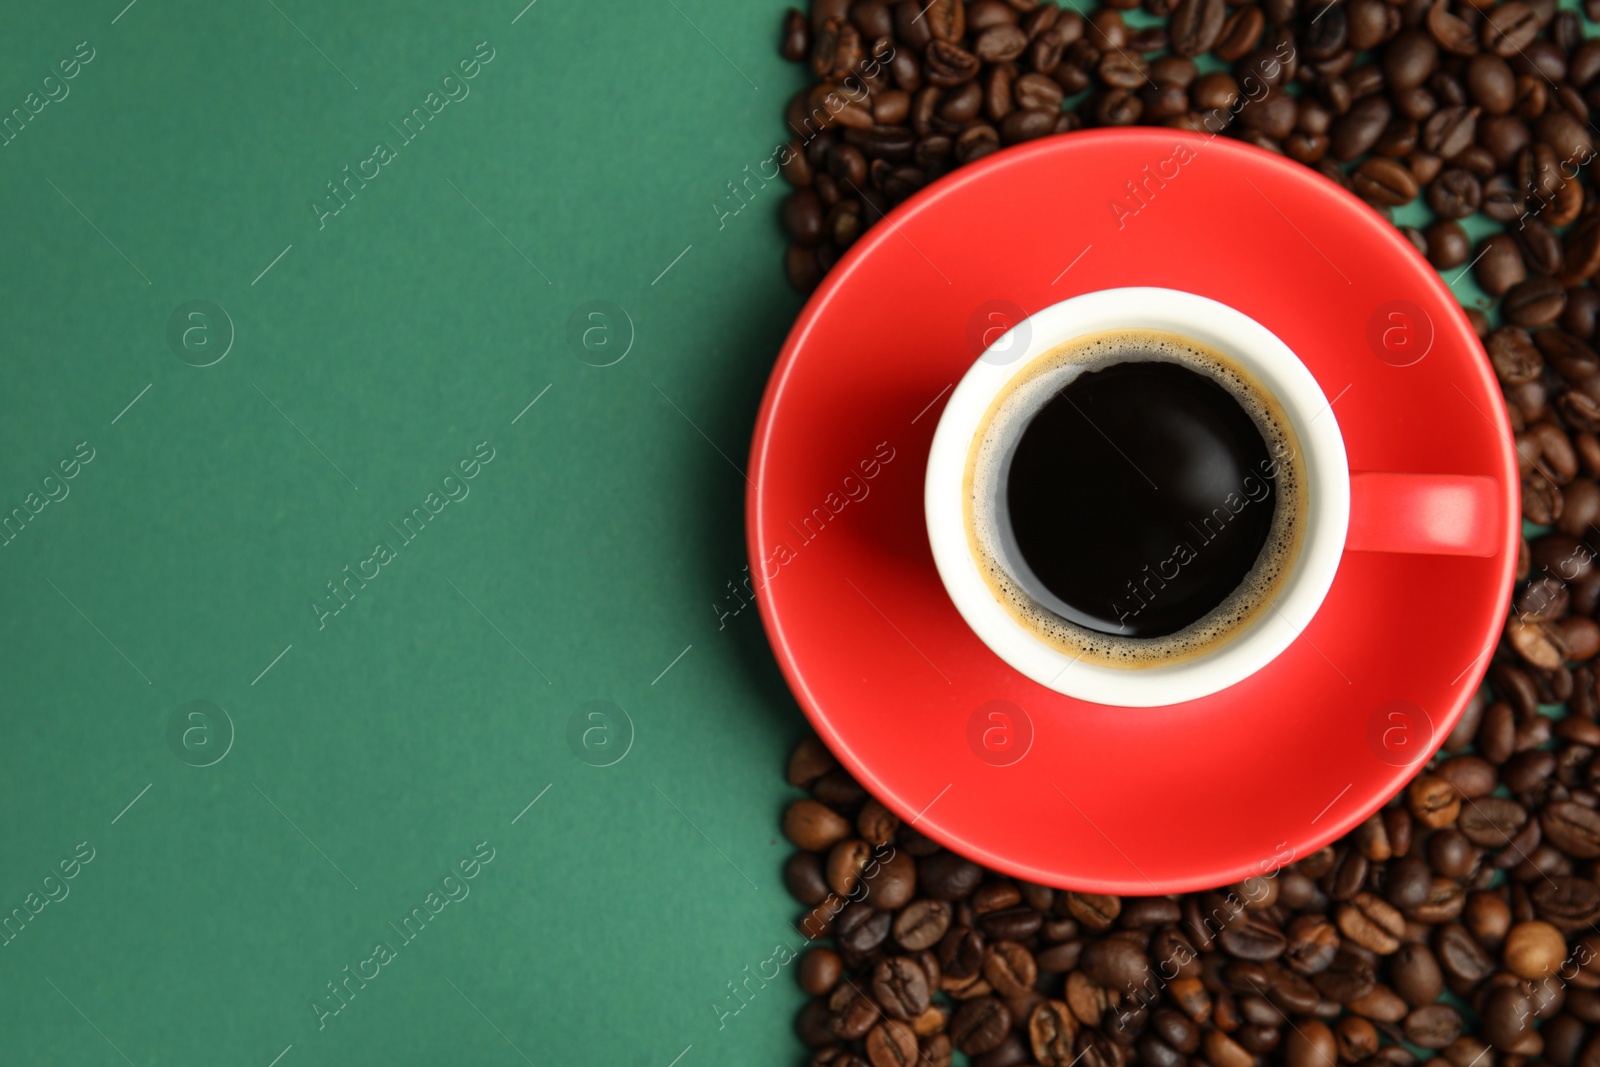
pixel 1140 497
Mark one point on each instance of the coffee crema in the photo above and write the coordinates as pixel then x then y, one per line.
pixel 1134 498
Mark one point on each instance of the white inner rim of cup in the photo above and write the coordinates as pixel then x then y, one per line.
pixel 1258 352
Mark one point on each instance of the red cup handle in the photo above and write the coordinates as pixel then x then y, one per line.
pixel 1434 514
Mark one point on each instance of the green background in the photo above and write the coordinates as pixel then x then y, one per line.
pixel 363 756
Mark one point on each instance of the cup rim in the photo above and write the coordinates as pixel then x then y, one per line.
pixel 1273 364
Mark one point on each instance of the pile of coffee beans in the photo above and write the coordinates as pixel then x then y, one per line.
pixel 1471 106
pixel 1454 928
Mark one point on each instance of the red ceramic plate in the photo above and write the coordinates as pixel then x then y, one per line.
pixel 1013 775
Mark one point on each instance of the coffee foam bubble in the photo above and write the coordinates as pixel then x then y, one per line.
pixel 994 546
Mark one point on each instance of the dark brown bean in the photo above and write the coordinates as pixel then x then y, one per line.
pixel 1000 44
pixel 1196 26
pixel 1455 193
pixel 900 986
pixel 980 1025
pixel 1051 1028
pixel 1572 827
pixel 1409 59
pixel 1499 265
pixel 1448 244
pixel 820 969
pixel 1434 1026
pixel 1509 28
pixel 1491 821
pixel 1384 181
pixel 1535 301
pixel 1355 132
pixel 1507 1015
pixel 1009 968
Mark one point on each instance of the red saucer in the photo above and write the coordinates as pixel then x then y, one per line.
pixel 1013 775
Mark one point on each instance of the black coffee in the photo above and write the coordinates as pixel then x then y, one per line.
pixel 1139 496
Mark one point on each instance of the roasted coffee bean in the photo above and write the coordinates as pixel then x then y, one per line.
pixel 1407 883
pixel 1093 910
pixel 1571 827
pixel 1527 771
pixel 947 876
pixel 804 878
pixel 1118 965
pixel 960 952
pixel 1000 44
pixel 1491 821
pixel 1356 131
pixel 1037 92
pixel 946 64
pixel 995 896
pixel 1535 301
pixel 1313 942
pixel 921 924
pixel 1010 924
pixel 1503 199
pixel 836 788
pixel 900 986
pixel 1254 939
pixel 1416 974
pixel 876 823
pixel 892 1044
pixel 1384 181
pixel 1534 950
pixel 1117 107
pixel 1223 1051
pixel 1455 193
pixel 820 969
pixel 1107 30
pixel 836 49
pixel 1433 801
pixel 1349 874
pixel 1409 59
pixel 1150 911
pixel 976 142
pixel 1566 901
pixel 1459 955
pixel 1086 997
pixel 1372 923
pixel 1580 250
pixel 1499 265
pixel 850 1012
pixel 1029 124
pixel 980 1025
pixel 845 863
pixel 1491 83
pixel 983 14
pixel 1061 957
pixel 1052 1029
pixel 859 929
pixel 889 878
pixel 1009 968
pixel 810 759
pixel 1240 33
pixel 811 824
pixel 1196 26
pixel 1509 28
pixel 1433 1027
pixel 1311 1043
pixel 1507 1014
pixel 1447 243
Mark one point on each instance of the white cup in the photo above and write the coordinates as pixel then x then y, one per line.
pixel 1325 516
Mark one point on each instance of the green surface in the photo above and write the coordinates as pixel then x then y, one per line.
pixel 386 742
